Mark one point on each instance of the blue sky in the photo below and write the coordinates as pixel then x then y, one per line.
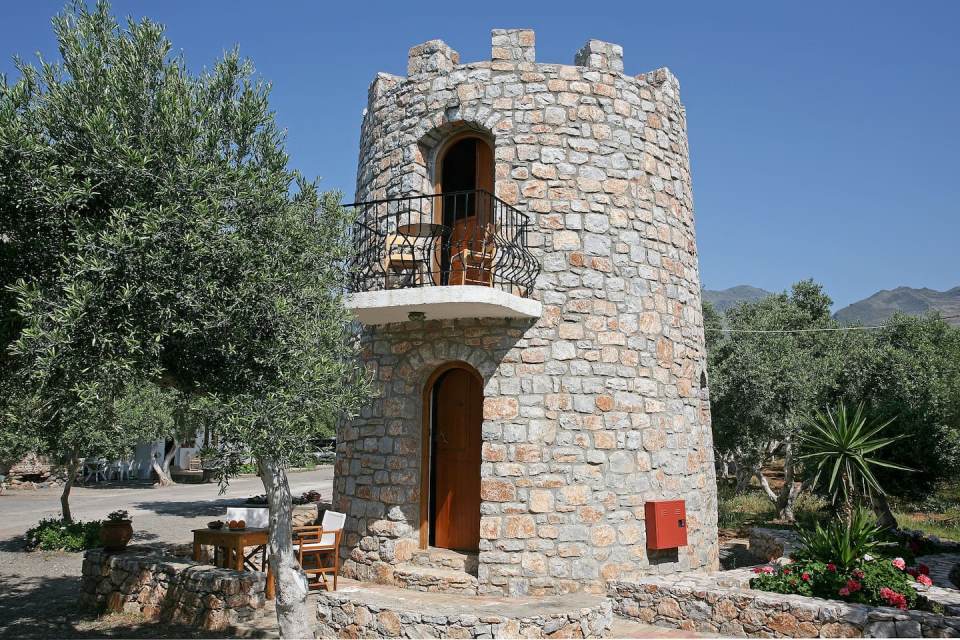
pixel 824 135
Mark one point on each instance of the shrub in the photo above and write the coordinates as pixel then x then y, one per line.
pixel 882 582
pixel 839 543
pixel 53 534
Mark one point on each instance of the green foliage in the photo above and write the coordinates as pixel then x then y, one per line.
pixel 911 370
pixel 841 446
pixel 864 582
pixel 53 534
pixel 155 235
pixel 842 543
pixel 762 384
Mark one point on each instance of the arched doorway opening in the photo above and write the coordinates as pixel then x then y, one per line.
pixel 464 178
pixel 450 481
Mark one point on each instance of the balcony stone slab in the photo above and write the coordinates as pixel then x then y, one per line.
pixel 439 303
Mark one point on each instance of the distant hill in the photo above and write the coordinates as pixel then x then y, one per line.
pixel 726 298
pixel 914 302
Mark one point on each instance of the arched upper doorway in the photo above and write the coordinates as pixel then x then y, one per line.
pixel 453 410
pixel 464 178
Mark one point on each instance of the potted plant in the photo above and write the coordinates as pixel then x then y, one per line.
pixel 116 531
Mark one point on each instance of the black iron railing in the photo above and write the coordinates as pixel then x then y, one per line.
pixel 449 239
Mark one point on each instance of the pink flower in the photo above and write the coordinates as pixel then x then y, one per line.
pixel 832 567
pixel 924 569
pixel 853 586
pixel 767 569
pixel 844 591
pixel 893 598
pixel 924 580
pixel 899 563
pixel 805 576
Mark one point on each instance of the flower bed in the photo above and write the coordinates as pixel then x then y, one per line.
pixel 879 582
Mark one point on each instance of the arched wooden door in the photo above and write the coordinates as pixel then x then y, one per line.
pixel 465 180
pixel 457 401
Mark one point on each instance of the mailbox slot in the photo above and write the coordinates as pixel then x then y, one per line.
pixel 666 524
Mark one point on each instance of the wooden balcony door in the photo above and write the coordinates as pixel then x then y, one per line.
pixel 465 177
pixel 455 464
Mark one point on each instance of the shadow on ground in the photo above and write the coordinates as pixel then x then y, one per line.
pixel 192 509
pixel 35 607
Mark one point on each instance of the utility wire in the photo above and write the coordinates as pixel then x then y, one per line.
pixel 825 329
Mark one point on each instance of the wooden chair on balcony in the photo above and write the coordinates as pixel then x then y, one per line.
pixel 472 253
pixel 318 549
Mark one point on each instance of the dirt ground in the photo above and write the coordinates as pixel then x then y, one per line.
pixel 38 590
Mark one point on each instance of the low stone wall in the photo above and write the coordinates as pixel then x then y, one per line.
pixel 700 603
pixel 770 544
pixel 377 613
pixel 169 589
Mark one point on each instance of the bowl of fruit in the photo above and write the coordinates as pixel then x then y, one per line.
pixel 237 525
pixel 216 524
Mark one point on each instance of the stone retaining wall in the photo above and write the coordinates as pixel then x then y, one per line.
pixel 340 616
pixel 700 603
pixel 170 590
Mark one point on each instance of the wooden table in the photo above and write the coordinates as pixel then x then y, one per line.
pixel 230 546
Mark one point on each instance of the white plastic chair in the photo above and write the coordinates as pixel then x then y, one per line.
pixel 318 544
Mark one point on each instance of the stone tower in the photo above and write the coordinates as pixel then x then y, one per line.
pixel 588 376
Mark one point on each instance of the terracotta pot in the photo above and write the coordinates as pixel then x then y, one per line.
pixel 115 534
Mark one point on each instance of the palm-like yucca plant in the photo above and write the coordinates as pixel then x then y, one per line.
pixel 843 544
pixel 842 445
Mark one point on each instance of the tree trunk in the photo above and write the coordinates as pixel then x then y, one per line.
pixel 164 479
pixel 293 612
pixel 72 467
pixel 885 517
pixel 744 473
pixel 787 497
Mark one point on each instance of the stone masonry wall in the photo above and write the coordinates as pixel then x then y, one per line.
pixel 700 603
pixel 170 590
pixel 340 615
pixel 599 406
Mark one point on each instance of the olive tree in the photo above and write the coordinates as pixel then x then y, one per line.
pixel 765 378
pixel 186 252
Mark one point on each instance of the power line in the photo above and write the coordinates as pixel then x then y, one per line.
pixel 825 329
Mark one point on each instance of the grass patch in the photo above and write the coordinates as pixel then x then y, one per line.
pixel 753 508
pixel 937 513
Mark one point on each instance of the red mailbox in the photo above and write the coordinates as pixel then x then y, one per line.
pixel 666 524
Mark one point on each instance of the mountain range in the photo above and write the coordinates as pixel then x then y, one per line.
pixel 874 309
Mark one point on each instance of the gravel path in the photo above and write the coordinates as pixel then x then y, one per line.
pixel 38 591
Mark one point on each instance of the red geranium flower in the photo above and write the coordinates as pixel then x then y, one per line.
pixel 924 580
pixel 805 576
pixel 893 598
pixel 832 567
pixel 858 573
pixel 854 586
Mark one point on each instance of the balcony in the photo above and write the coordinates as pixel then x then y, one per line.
pixel 453 255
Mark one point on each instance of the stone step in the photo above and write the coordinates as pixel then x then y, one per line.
pixel 465 561
pixel 624 628
pixel 434 579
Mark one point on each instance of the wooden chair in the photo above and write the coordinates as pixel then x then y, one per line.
pixel 473 251
pixel 318 549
